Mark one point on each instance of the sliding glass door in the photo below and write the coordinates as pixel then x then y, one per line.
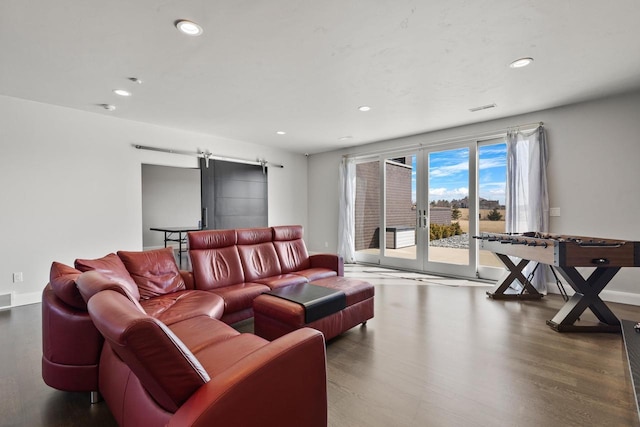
pixel 492 187
pixel 419 209
pixel 450 190
pixel 408 208
pixel 401 211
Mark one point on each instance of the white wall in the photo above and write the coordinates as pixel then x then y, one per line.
pixel 594 175
pixel 71 185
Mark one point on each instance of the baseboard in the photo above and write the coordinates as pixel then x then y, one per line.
pixel 606 295
pixel 621 297
pixel 6 300
pixel 26 298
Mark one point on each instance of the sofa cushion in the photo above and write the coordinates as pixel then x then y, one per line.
pixel 316 273
pixel 239 297
pixel 221 356
pixel 216 267
pixel 198 332
pixel 164 365
pixel 181 305
pixel 259 261
pixel 155 272
pixel 281 280
pixel 290 248
pixel 63 282
pixel 113 269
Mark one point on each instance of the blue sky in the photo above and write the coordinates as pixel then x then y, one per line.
pixel 492 176
pixel 449 173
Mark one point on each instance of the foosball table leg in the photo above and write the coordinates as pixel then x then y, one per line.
pixel 515 273
pixel 586 296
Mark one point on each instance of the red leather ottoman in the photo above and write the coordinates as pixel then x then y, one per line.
pixel 274 316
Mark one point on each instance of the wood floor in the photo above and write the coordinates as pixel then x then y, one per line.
pixel 437 353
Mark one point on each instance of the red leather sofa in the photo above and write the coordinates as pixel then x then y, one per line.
pixel 231 269
pixel 71 345
pixel 241 264
pixel 198 371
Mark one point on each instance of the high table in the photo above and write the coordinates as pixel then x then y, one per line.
pixel 170 236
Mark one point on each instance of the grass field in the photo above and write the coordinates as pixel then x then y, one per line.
pixel 485 225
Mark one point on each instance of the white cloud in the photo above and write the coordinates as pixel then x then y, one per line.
pixel 493 162
pixel 442 171
pixel 448 193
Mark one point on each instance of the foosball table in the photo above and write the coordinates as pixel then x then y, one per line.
pixel 564 254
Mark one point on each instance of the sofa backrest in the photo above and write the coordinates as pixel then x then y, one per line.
pixel 92 282
pixel 290 247
pixel 215 259
pixel 165 367
pixel 62 279
pixel 111 267
pixel 154 271
pixel 257 253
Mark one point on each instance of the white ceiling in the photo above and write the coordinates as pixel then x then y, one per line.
pixel 304 66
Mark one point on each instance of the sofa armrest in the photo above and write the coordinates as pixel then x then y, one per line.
pixel 187 276
pixel 330 261
pixel 91 282
pixel 286 380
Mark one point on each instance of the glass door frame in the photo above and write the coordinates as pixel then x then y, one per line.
pixel 468 270
pixel 385 258
pixel 421 263
pixel 363 255
pixel 486 272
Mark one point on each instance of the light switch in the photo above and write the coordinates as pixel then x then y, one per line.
pixel 554 211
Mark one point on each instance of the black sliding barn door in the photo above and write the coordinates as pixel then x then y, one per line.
pixel 234 195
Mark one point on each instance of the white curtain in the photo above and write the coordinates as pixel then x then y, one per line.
pixel 346 220
pixel 527 196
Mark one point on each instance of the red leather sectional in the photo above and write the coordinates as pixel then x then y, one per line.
pixel 171 357
pixel 239 265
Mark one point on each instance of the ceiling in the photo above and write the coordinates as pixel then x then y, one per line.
pixel 304 67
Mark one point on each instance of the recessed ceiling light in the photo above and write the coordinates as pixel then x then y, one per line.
pixel 364 108
pixel 189 28
pixel 344 138
pixel 281 132
pixel 522 62
pixel 108 107
pixel 135 80
pixel 122 92
pixel 482 107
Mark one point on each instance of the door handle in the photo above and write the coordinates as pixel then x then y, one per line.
pixel 422 219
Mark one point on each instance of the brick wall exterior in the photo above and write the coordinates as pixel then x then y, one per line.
pixel 367 205
pixel 400 209
pixel 439 215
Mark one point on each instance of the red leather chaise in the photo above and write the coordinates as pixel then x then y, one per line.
pixel 201 372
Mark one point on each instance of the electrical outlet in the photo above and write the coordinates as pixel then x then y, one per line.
pixel 326 244
pixel 17 277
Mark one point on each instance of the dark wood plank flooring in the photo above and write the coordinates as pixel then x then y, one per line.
pixel 434 355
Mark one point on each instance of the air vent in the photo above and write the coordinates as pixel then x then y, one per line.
pixel 5 300
pixel 484 107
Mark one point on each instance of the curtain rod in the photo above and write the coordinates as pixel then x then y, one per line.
pixel 478 136
pixel 207 155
